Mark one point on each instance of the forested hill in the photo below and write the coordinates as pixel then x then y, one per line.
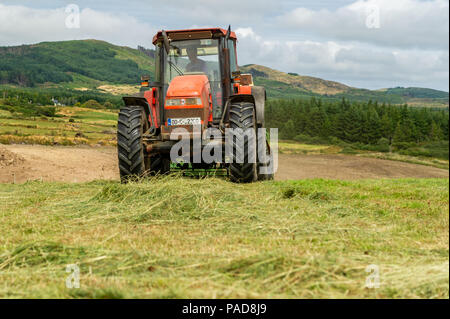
pixel 415 92
pixel 92 65
pixel 69 61
pixel 291 85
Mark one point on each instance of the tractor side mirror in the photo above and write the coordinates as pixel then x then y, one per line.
pixel 236 74
pixel 166 41
pixel 145 80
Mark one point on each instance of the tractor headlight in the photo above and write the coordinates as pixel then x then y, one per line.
pixel 172 102
pixel 194 101
pixel 184 101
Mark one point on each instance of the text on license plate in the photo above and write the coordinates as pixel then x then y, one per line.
pixel 184 121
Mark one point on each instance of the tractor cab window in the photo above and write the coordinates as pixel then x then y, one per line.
pixel 197 57
pixel 193 56
pixel 233 63
pixel 157 64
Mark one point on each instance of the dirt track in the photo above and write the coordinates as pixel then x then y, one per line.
pixel 19 163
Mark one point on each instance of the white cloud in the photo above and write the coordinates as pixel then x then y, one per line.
pixel 23 25
pixel 402 23
pixel 217 13
pixel 353 64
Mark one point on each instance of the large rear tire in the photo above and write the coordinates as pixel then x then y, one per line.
pixel 131 126
pixel 242 115
pixel 265 166
pixel 265 163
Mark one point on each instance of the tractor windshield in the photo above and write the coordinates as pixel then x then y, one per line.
pixel 196 56
pixel 193 56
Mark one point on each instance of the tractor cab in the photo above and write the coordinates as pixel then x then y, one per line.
pixel 211 53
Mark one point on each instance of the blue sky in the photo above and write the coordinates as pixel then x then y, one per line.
pixel 363 43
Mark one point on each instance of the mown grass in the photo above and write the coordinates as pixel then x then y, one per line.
pixel 176 237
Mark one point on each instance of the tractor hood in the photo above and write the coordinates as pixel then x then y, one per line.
pixel 193 87
pixel 188 86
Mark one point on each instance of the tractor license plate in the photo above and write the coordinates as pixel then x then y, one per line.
pixel 184 121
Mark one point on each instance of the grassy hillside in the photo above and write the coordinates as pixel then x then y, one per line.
pixel 100 66
pixel 82 62
pixel 304 83
pixel 185 238
pixel 290 85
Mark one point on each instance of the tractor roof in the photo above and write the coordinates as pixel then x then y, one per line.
pixel 188 34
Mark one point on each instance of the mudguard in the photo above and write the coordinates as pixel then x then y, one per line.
pixel 259 94
pixel 258 97
pixel 148 101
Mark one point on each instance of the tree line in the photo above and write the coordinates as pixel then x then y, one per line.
pixel 357 122
pixel 24 96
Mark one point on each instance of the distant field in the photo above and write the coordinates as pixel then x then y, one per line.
pixel 119 89
pixel 184 238
pixel 292 147
pixel 72 126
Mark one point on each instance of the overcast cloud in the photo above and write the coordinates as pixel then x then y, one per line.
pixel 371 44
pixel 402 23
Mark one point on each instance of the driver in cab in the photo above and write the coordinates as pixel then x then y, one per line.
pixel 195 64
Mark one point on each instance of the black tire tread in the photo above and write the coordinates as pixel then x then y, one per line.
pixel 242 115
pixel 129 142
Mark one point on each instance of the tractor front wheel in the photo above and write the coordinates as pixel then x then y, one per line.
pixel 242 116
pixel 131 126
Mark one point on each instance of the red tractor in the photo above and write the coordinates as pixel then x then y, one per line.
pixel 197 87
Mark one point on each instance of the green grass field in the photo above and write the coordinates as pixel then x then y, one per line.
pixel 177 237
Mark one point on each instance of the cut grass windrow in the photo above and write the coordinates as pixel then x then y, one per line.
pixel 175 237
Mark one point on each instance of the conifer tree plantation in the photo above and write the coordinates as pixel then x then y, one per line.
pixel 362 125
